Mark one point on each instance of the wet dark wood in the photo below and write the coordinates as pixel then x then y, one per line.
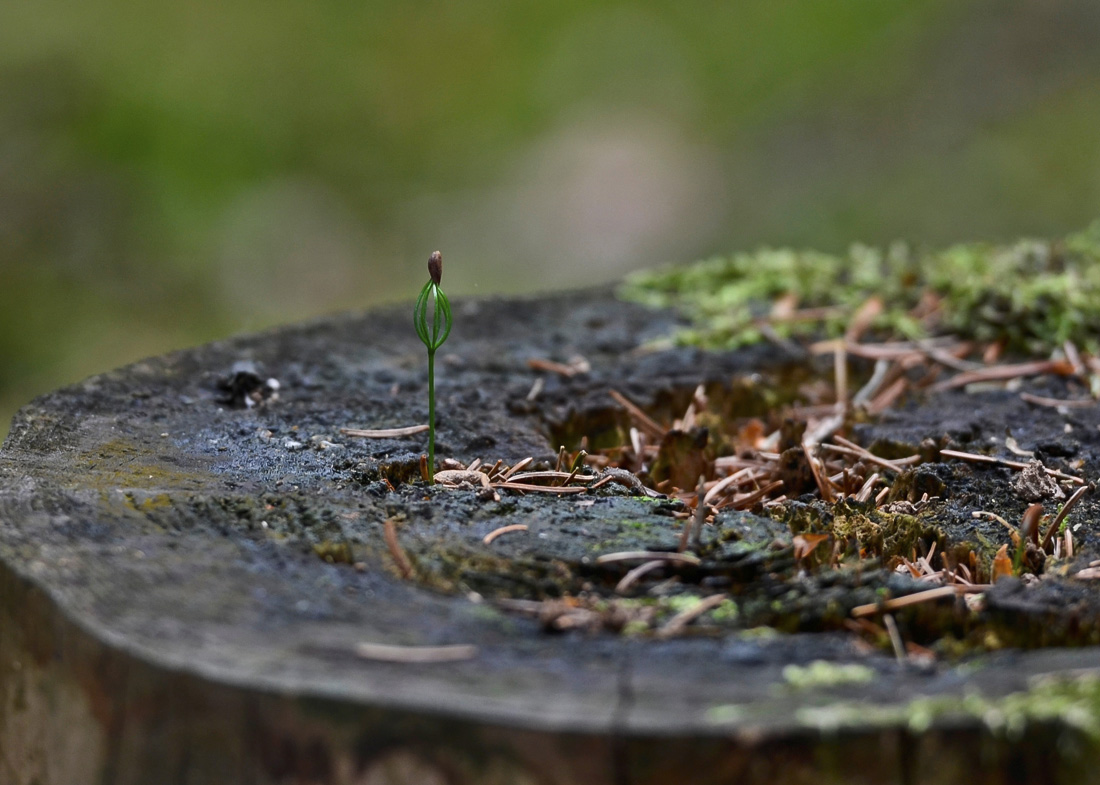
pixel 164 616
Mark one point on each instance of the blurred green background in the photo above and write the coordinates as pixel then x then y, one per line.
pixel 176 172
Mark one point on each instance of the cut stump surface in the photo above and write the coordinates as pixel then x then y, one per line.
pixel 196 585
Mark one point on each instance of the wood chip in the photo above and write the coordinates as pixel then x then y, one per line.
pixel 381 652
pixel 384 433
pixel 460 476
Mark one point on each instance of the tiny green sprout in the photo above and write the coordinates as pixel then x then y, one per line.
pixel 432 336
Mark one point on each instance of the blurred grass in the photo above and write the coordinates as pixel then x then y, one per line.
pixel 171 173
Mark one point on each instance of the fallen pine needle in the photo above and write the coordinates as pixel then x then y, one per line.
pixel 998 373
pixel 384 433
pixel 975 458
pixel 688 615
pixel 645 422
pixel 569 371
pixel 551 476
pixel 398 553
pixel 632 577
pixel 515 527
pixel 1062 513
pixel 895 637
pixel 1056 403
pixel 744 502
pixel 522 486
pixel 915 599
pixel 685 558
pixel 381 652
pixel 518 467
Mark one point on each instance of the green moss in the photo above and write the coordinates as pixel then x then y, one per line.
pixel 1034 295
pixel 821 673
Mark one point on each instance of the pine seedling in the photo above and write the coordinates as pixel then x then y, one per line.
pixel 432 336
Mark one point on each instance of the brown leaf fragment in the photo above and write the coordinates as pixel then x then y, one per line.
pixel 1002 565
pixel 804 544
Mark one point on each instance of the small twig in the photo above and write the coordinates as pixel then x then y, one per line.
pixel 384 433
pixel 1062 513
pixel 685 617
pixel 893 604
pixel 645 422
pixel 976 458
pixel 398 553
pixel 632 577
pixel 381 652
pixel 515 527
pixel 668 556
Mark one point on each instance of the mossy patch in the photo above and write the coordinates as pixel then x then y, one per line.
pixel 1032 295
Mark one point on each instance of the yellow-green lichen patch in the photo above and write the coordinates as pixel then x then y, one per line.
pixel 820 674
pixel 1071 701
pixel 121 463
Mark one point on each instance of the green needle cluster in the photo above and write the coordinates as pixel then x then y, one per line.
pixel 432 336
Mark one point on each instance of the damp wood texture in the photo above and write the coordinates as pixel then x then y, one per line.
pixel 640 563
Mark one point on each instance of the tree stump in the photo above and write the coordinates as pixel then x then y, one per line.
pixel 201 581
